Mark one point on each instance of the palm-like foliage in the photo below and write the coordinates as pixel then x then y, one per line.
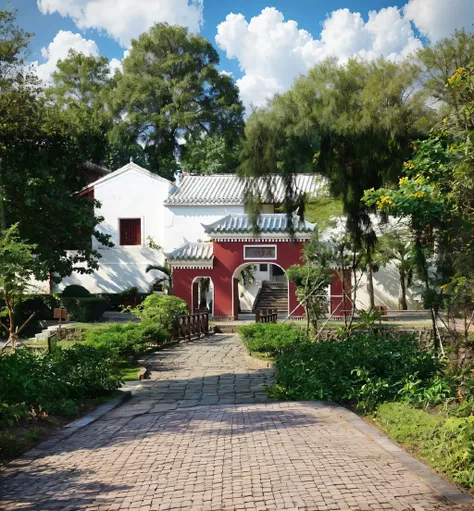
pixel 166 279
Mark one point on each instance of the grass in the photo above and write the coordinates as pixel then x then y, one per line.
pixel 20 438
pixel 128 370
pixel 444 443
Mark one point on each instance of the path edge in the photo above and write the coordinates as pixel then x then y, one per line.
pixel 67 431
pixel 442 486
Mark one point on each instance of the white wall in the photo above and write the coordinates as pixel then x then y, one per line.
pixel 185 222
pixel 386 286
pixel 131 194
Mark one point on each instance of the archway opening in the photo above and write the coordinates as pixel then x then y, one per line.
pixel 203 295
pixel 260 285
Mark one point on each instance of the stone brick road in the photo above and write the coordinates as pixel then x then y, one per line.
pixel 200 435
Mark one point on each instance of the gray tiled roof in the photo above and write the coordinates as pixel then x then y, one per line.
pixel 275 223
pixel 192 251
pixel 230 189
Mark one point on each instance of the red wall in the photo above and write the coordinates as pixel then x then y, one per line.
pixel 228 256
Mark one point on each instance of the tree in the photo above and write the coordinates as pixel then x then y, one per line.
pixel 166 279
pixel 41 174
pixel 16 269
pixel 210 155
pixel 311 280
pixel 440 62
pixel 353 123
pixel 13 44
pixel 170 89
pixel 396 247
pixel 81 89
pixel 424 198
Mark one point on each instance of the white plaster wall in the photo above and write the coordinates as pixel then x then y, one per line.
pixel 132 194
pixel 386 285
pixel 185 222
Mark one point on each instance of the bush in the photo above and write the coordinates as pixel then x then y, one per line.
pixel 162 309
pixel 32 380
pixel 270 338
pixel 444 442
pixel 367 369
pixel 75 291
pixel 127 340
pixel 87 309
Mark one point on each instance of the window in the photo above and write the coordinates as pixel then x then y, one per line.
pixel 264 267
pixel 130 231
pixel 260 252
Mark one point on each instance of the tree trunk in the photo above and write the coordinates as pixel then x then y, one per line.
pixel 402 294
pixel 307 319
pixel 370 285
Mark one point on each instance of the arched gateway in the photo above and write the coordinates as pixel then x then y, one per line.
pixel 234 243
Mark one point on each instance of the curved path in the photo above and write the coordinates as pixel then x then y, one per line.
pixel 201 435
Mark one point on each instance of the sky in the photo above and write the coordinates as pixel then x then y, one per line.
pixel 264 44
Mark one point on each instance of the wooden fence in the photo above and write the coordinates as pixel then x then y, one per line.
pixel 266 316
pixel 192 326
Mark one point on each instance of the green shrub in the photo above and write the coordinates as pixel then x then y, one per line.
pixel 75 291
pixel 162 309
pixel 446 443
pixel 367 369
pixel 128 340
pixel 87 309
pixel 270 338
pixel 30 379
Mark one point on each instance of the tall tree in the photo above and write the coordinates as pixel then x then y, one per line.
pixel 210 155
pixel 41 173
pixel 81 89
pixel 439 63
pixel 169 89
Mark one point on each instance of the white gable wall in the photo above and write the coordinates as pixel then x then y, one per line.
pixel 130 194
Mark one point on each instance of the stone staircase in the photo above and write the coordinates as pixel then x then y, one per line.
pixel 273 295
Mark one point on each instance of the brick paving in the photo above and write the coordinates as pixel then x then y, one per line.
pixel 201 435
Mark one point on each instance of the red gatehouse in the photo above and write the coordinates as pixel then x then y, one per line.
pixel 235 245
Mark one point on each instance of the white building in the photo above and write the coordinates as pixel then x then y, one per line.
pixel 143 211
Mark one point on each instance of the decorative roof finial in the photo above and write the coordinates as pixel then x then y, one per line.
pixel 131 159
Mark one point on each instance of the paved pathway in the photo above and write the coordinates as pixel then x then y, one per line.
pixel 200 435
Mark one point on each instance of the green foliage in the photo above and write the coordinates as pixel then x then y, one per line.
pixel 41 169
pixel 446 443
pixel 87 309
pixel 32 381
pixel 344 121
pixel 162 309
pixel 323 211
pixel 75 291
pixel 367 369
pixel 170 87
pixel 210 155
pixel 128 340
pixel 270 338
pixel 16 269
pixel 311 280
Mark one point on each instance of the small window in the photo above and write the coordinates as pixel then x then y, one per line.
pixel 130 231
pixel 264 267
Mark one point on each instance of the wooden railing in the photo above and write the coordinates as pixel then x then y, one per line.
pixel 266 316
pixel 192 326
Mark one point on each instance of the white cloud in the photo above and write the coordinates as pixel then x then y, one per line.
pixel 436 19
pixel 59 48
pixel 126 19
pixel 272 52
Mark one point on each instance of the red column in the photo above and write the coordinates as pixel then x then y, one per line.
pixel 236 298
pixel 195 301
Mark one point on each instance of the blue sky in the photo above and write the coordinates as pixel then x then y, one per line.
pixel 265 44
